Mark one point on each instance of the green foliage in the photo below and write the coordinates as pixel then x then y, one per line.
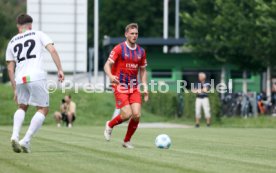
pixel 166 105
pixel 265 36
pixel 189 106
pixel 116 14
pixel 215 104
pixel 237 32
pixel 162 104
pixel 9 9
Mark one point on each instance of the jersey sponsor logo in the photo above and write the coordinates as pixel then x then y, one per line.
pixel 132 66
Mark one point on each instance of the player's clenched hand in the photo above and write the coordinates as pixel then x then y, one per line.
pixel 114 79
pixel 60 76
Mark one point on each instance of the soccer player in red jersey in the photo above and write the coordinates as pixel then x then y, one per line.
pixel 122 67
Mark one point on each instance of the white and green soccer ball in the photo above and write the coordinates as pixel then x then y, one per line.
pixel 163 141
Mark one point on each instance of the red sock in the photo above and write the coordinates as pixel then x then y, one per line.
pixel 115 121
pixel 132 126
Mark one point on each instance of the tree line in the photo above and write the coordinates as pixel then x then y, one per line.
pixel 239 32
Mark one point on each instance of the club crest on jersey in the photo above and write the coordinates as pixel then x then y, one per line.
pixel 119 102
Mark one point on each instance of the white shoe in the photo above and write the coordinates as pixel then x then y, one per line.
pixel 15 146
pixel 25 146
pixel 107 131
pixel 128 145
pixel 69 125
pixel 58 125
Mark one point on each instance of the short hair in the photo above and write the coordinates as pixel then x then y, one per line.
pixel 23 19
pixel 131 26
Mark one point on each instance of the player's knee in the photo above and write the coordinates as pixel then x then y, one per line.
pixel 136 115
pixel 43 110
pixel 23 107
pixel 126 114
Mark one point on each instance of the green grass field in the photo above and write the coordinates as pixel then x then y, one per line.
pixel 83 149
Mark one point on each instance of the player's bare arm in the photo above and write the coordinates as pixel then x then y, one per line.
pixel 143 74
pixel 54 54
pixel 11 66
pixel 107 69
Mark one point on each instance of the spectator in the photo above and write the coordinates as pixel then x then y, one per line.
pixel 67 112
pixel 202 100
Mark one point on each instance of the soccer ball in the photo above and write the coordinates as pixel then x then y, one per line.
pixel 163 141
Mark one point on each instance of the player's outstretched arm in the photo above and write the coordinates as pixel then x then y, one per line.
pixel 143 76
pixel 107 69
pixel 52 50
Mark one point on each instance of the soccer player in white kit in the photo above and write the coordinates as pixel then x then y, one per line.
pixel 28 79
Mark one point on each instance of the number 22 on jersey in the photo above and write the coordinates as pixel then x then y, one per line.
pixel 29 45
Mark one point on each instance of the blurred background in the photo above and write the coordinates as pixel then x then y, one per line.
pixel 228 40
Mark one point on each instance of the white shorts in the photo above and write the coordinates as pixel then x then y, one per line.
pixel 34 93
pixel 202 102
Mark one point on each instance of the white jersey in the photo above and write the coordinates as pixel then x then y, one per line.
pixel 26 50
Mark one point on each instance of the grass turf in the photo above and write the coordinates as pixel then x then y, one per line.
pixel 83 149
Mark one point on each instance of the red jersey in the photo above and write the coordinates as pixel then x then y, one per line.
pixel 127 62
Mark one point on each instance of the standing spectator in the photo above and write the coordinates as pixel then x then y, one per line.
pixel 202 100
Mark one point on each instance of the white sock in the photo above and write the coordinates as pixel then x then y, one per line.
pixel 18 120
pixel 35 125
